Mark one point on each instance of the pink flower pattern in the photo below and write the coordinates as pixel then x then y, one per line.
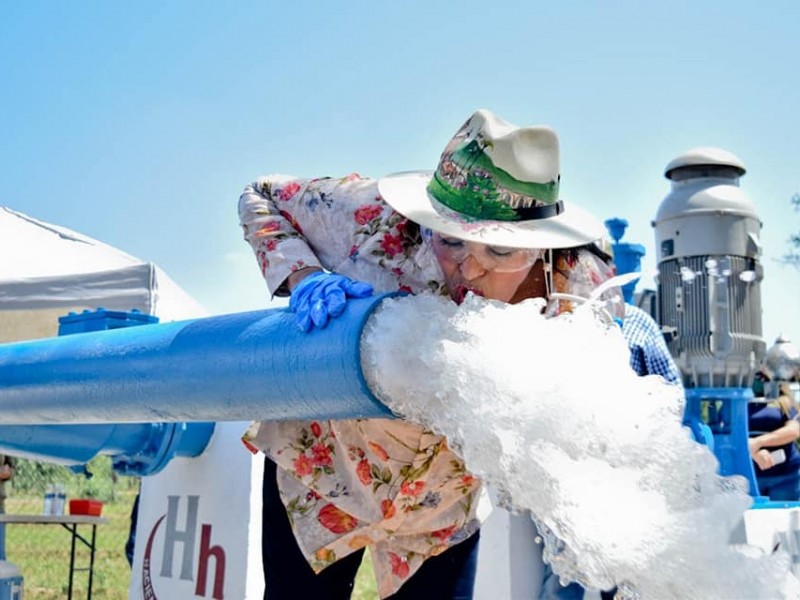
pixel 368 212
pixel 391 244
pixel 288 191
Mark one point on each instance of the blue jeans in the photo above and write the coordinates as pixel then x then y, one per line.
pixel 780 487
pixel 553 590
pixel 288 576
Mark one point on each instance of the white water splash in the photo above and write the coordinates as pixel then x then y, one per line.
pixel 549 413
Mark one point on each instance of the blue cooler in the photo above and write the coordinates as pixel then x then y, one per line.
pixel 10 581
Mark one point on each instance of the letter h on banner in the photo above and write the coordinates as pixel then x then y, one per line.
pixel 173 536
pixel 187 537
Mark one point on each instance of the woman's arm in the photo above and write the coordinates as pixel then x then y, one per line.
pixel 760 445
pixel 265 214
pixel 789 432
pixel 300 226
pixel 298 276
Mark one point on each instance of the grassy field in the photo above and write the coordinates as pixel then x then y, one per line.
pixel 42 554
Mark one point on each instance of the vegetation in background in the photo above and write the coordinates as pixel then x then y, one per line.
pixel 98 481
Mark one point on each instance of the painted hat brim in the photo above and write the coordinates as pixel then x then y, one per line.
pixel 407 193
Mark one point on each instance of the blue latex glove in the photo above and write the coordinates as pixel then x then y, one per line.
pixel 322 296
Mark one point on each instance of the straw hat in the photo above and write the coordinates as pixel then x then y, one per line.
pixel 497 184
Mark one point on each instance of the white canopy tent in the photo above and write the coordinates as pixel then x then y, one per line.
pixel 47 271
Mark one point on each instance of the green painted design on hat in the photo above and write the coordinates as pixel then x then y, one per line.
pixel 472 156
pixel 478 199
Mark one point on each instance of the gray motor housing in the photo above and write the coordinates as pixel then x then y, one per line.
pixel 708 246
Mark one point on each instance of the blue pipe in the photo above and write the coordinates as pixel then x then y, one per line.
pixel 627 257
pixel 724 412
pixel 243 366
pixel 138 449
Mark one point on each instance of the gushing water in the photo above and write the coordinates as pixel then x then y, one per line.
pixel 549 413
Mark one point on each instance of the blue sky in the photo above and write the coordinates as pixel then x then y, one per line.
pixel 140 123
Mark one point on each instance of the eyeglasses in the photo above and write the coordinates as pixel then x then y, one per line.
pixel 491 258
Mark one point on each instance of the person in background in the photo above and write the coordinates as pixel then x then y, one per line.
pixel 774 428
pixel 483 223
pixel 6 473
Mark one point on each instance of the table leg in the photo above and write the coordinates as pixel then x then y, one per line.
pixel 73 529
pixel 91 560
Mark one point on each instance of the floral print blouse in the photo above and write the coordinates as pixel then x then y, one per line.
pixel 383 483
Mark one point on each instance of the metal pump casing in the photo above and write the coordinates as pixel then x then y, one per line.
pixel 708 246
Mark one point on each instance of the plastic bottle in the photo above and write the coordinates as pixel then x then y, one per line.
pixel 60 499
pixel 49 498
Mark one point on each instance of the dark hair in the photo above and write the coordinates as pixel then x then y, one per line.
pixel 412 232
pixel 571 255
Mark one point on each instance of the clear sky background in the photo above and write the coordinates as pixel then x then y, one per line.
pixel 139 123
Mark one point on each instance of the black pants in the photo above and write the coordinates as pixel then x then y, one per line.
pixel 131 542
pixel 288 576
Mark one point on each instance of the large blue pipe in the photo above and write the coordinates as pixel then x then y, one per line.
pixel 135 448
pixel 254 365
